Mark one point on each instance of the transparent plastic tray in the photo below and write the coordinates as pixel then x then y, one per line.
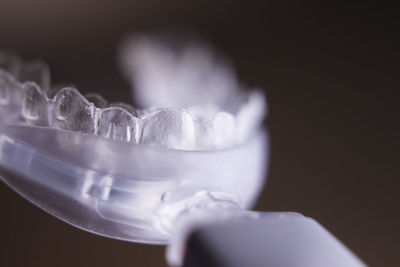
pixel 124 190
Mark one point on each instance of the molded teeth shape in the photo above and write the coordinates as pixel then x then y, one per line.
pixel 34 106
pixel 74 112
pixel 200 106
pixel 118 124
pixel 178 133
pixel 217 132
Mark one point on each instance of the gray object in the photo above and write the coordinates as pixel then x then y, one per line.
pixel 277 240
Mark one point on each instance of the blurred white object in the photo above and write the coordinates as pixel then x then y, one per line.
pixel 177 72
pixel 170 71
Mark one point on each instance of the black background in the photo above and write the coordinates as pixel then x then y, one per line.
pixel 331 74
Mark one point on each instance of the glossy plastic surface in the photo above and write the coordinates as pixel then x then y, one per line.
pixel 124 190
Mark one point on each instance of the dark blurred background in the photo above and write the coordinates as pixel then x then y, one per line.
pixel 331 74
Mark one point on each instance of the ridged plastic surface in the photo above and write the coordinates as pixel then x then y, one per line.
pixel 124 190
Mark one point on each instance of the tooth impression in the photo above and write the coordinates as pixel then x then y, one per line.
pixel 172 128
pixel 25 97
pixel 118 124
pixel 218 132
pixel 35 105
pixel 73 112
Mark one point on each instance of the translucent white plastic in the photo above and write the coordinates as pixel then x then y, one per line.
pixel 126 173
pixel 123 191
pixel 217 118
pixel 195 155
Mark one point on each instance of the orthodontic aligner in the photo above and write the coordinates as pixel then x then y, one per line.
pixel 49 145
pixel 141 193
pixel 27 98
pixel 51 153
